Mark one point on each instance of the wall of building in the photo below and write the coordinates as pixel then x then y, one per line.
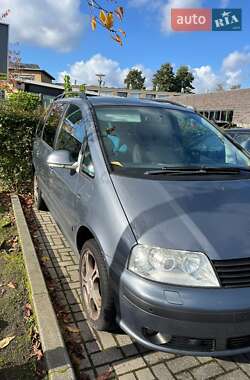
pixel 236 100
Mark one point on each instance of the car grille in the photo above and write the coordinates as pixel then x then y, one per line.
pixel 191 344
pixel 233 273
pixel 240 342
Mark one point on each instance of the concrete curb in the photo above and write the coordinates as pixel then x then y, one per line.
pixel 58 362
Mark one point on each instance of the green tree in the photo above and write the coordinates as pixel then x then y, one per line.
pixel 67 83
pixel 135 80
pixel 164 78
pixel 183 80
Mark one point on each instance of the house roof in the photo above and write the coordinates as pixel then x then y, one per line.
pixel 31 67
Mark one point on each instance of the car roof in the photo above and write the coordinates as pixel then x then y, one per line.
pixel 119 101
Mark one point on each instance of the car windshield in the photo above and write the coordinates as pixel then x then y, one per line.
pixel 158 137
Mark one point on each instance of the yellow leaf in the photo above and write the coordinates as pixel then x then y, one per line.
pixel 44 259
pixel 110 21
pixel 93 23
pixel 72 329
pixel 103 17
pixel 12 285
pixel 4 342
pixel 120 12
pixel 122 32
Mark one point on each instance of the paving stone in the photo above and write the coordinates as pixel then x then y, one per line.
pixel 235 375
pixel 182 363
pixel 108 356
pixel 144 374
pixel 161 372
pixel 157 357
pixel 128 376
pixel 86 332
pixel 244 366
pixel 71 297
pixel 89 374
pixel 93 347
pixel 129 365
pixel 79 316
pixel 184 376
pixel 228 365
pixel 207 371
pixel 106 339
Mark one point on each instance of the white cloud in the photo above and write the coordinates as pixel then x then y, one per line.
pixel 85 71
pixel 236 67
pixel 46 23
pixel 204 79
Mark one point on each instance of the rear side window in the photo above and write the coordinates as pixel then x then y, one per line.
pixel 72 132
pixel 52 123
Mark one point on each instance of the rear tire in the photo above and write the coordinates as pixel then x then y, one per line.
pixel 97 295
pixel 38 200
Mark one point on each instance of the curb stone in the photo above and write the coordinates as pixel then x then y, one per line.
pixel 56 355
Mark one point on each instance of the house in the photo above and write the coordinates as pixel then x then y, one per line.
pixel 30 72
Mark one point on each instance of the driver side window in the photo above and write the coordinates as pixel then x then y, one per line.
pixel 72 132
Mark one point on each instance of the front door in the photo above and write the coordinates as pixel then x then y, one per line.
pixel 64 181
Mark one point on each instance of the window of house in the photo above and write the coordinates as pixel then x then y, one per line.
pixel 230 116
pixel 52 123
pixel 122 94
pixel 217 115
pixel 72 132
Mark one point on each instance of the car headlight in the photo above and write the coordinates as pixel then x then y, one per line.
pixel 172 267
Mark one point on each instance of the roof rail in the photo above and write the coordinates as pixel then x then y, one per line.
pixel 72 94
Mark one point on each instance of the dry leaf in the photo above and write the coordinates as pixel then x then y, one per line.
pixel 122 32
pixel 6 341
pixel 120 12
pixel 106 375
pixel 27 310
pixel 2 292
pixel 117 38
pixel 93 23
pixel 12 285
pixel 44 259
pixel 72 329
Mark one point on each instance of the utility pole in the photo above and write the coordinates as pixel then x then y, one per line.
pixel 100 81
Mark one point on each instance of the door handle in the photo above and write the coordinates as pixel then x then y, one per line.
pixel 51 171
pixel 78 196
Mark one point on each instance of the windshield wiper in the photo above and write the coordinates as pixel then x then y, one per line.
pixel 203 170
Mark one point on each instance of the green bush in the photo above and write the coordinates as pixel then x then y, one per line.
pixel 19 116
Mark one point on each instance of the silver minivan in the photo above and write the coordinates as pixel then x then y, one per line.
pixel 155 202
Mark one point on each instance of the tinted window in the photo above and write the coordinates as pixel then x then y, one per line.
pixel 52 123
pixel 72 132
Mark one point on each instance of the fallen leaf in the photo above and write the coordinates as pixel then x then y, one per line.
pixel 12 285
pixel 106 375
pixel 44 259
pixel 6 341
pixel 72 329
pixel 27 310
pixel 2 292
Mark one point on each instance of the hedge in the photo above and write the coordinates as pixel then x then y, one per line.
pixel 19 116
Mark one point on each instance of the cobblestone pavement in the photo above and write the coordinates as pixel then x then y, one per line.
pixel 103 350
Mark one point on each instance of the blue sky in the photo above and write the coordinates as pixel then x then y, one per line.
pixel 59 39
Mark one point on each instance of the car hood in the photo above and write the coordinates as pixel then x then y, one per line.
pixel 206 216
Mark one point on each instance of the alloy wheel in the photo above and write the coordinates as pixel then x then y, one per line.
pixel 91 285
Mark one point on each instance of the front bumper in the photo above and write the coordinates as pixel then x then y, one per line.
pixel 189 321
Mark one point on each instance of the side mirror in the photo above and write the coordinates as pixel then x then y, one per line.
pixel 61 159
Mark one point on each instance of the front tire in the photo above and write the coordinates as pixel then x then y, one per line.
pixel 38 200
pixel 97 296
